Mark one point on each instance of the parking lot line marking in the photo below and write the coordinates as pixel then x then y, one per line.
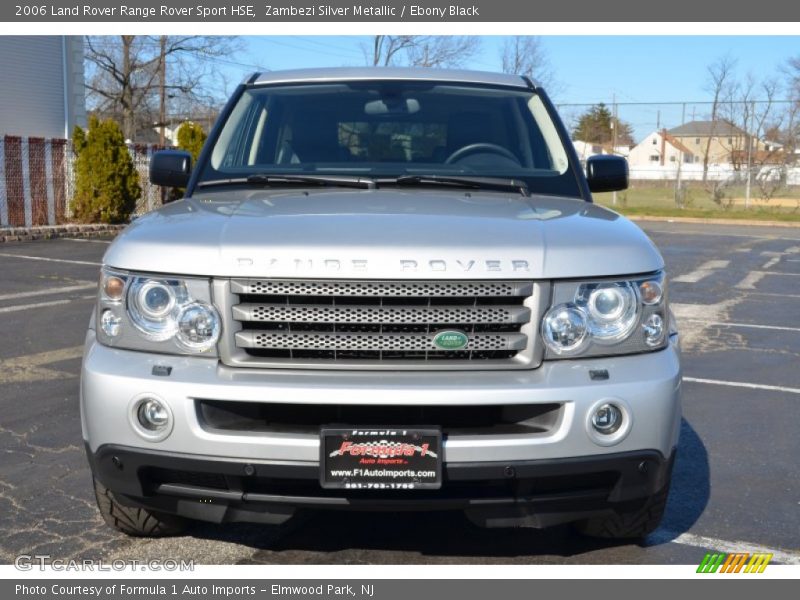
pixel 771 262
pixel 29 368
pixel 742 384
pixel 685 316
pixel 775 294
pixel 50 291
pixel 740 235
pixel 704 270
pixel 19 307
pixel 58 260
pixel 753 326
pixel 750 280
pixel 779 555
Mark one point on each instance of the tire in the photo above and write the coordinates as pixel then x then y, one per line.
pixel 133 521
pixel 631 523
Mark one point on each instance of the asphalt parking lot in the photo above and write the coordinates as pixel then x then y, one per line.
pixel 734 289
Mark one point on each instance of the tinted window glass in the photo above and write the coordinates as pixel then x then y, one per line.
pixel 388 129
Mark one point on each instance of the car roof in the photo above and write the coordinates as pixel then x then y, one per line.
pixel 387 73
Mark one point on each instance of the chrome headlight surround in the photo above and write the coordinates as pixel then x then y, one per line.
pixel 156 313
pixel 604 317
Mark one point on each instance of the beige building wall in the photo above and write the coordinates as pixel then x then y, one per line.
pixel 721 148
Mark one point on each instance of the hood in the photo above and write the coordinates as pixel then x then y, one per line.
pixel 383 234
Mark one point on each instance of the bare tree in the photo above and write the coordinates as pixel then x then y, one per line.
pixel 526 55
pixel 124 74
pixel 763 147
pixel 751 108
pixel 386 47
pixel 443 50
pixel 421 50
pixel 791 131
pixel 718 83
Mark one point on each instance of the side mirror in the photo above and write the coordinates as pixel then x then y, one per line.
pixel 170 168
pixel 606 173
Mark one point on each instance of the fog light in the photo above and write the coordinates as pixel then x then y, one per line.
pixel 607 419
pixel 110 323
pixel 152 415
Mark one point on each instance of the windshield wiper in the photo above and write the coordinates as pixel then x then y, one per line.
pixel 283 179
pixel 483 183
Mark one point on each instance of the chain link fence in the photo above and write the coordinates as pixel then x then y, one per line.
pixel 37 181
pixel 679 157
pixel 745 157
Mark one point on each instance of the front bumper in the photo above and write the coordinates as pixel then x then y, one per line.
pixel 536 493
pixel 588 475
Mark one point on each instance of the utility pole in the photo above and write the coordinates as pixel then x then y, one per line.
pixel 162 89
pixel 678 191
pixel 162 103
pixel 614 140
pixel 749 138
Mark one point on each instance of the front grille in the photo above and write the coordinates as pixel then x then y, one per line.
pixel 288 322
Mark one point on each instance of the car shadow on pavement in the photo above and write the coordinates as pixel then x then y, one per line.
pixel 442 537
pixel 691 488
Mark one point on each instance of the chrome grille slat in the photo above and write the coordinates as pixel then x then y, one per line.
pixel 385 289
pixel 276 339
pixel 375 314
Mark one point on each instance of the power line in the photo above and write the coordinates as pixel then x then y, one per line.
pixel 311 40
pixel 306 48
pixel 676 103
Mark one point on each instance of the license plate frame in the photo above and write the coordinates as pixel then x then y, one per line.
pixel 380 458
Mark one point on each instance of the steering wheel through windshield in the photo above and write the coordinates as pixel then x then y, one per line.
pixel 478 147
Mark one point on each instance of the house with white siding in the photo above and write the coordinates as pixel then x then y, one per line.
pixel 660 149
pixel 42 98
pixel 42 93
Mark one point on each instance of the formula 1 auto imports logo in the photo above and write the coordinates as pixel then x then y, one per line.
pixel 382 449
pixel 734 563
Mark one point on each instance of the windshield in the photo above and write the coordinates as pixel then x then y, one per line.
pixel 392 129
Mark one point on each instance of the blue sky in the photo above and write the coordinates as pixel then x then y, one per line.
pixel 588 69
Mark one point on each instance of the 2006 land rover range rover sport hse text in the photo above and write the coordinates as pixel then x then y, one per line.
pixel 385 289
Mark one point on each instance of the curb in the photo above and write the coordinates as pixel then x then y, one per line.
pixel 714 221
pixel 48 232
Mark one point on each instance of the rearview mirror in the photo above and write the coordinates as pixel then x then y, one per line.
pixel 392 106
pixel 606 173
pixel 170 168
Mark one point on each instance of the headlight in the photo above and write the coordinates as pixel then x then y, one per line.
pixel 153 306
pixel 198 326
pixel 603 317
pixel 156 313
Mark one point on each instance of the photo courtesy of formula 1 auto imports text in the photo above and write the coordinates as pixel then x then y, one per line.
pixel 398 299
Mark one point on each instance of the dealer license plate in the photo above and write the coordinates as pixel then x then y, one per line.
pixel 381 458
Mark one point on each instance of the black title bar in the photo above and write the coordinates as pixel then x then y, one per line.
pixel 400 11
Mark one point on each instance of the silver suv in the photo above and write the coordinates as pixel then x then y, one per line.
pixel 385 289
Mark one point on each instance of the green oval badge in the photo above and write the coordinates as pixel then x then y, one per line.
pixel 451 340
